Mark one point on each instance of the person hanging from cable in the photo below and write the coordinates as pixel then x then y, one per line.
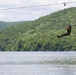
pixel 68 28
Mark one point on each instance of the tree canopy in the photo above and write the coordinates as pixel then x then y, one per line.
pixel 41 34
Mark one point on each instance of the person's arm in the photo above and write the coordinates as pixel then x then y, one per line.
pixel 67 28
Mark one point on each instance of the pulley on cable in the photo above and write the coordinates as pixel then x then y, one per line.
pixel 64 3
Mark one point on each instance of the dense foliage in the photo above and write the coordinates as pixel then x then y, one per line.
pixel 41 34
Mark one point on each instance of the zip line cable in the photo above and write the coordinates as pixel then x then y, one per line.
pixel 64 3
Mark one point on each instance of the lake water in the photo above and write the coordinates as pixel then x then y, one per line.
pixel 37 63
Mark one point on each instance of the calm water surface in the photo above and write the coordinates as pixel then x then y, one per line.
pixel 37 63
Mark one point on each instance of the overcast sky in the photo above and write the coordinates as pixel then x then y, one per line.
pixel 30 13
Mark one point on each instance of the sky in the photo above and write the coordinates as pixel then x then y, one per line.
pixel 31 13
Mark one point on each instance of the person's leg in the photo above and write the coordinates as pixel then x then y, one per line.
pixel 65 34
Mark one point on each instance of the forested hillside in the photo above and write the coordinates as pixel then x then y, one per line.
pixel 4 25
pixel 41 34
